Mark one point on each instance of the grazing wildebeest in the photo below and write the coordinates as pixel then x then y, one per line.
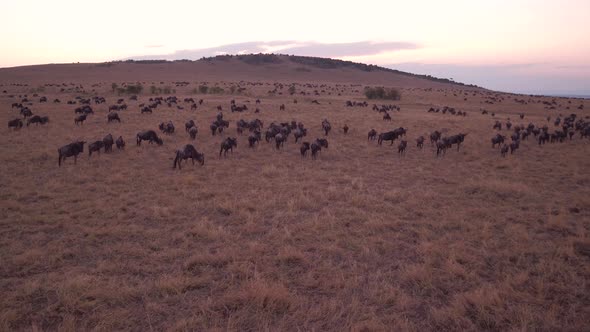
pixel 213 128
pixel 16 124
pixel 386 117
pixel 420 142
pixel 508 125
pixel 146 110
pixel 282 107
pixel 543 137
pixel 112 117
pixel 120 143
pixel 188 125
pixel 515 137
pixel 254 138
pixel 37 120
pixel 497 125
pixel 391 135
pixel 167 128
pixel 193 132
pixel 521 115
pixel 372 135
pixel 504 150
pixel 326 126
pixel 108 143
pixel 401 148
pixel 80 119
pixel 96 146
pixel 148 135
pixel 345 129
pixel 187 152
pixel 299 133
pixel 514 146
pixel 228 144
pixel 72 149
pixel 304 147
pixel 498 139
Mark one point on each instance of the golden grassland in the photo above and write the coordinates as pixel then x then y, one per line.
pixel 359 239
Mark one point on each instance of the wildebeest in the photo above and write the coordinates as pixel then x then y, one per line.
pixel 187 152
pixel 113 117
pixel 299 133
pixel 514 146
pixel 401 148
pixel 386 117
pixel 372 135
pixel 120 143
pixel 96 146
pixel 326 126
pixel 148 135
pixel 167 128
pixel 36 119
pixel 25 112
pixel 188 125
pixel 504 150
pixel 441 147
pixel 391 135
pixel 280 140
pixel 420 142
pixel 345 129
pixel 254 138
pixel 498 139
pixel 146 110
pixel 228 144
pixel 435 136
pixel 80 119
pixel 72 149
pixel 317 146
pixel 193 132
pixel 303 149
pixel 16 124
pixel 497 125
pixel 108 143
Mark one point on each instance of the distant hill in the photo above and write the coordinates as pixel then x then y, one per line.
pixel 250 67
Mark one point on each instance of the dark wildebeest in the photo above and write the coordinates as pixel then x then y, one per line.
pixel 96 146
pixel 508 125
pixel 167 128
pixel 188 125
pixel 345 129
pixel 372 135
pixel 514 146
pixel 254 138
pixel 441 146
pixel 72 149
pixel 317 146
pixel 113 117
pixel 504 150
pixel 386 117
pixel 37 120
pixel 280 140
pixel 148 135
pixel 498 139
pixel 213 128
pixel 304 148
pixel 401 148
pixel 80 119
pixel 435 136
pixel 282 107
pixel 228 144
pixel 497 125
pixel 193 132
pixel 391 135
pixel 16 124
pixel 146 110
pixel 187 152
pixel 420 142
pixel 108 143
pixel 299 133
pixel 326 126
pixel 120 143
pixel 26 112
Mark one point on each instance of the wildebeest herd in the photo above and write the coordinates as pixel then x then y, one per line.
pixel 279 132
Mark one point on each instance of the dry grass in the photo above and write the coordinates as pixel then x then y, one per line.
pixel 359 239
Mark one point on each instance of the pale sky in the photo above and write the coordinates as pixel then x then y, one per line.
pixel 520 45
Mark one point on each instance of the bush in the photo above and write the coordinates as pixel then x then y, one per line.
pixel 216 90
pixel 292 90
pixel 203 89
pixel 382 93
pixel 130 89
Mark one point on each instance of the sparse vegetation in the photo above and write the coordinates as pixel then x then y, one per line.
pixel 382 93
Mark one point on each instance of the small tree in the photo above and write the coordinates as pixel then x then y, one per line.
pixel 292 90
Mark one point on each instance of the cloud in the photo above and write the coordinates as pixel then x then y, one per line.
pixel 335 50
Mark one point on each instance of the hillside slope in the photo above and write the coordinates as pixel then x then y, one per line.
pixel 224 68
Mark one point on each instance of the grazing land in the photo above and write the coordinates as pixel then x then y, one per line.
pixel 361 238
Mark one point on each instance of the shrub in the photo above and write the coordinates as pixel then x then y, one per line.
pixel 203 89
pixel 382 93
pixel 292 90
pixel 216 90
